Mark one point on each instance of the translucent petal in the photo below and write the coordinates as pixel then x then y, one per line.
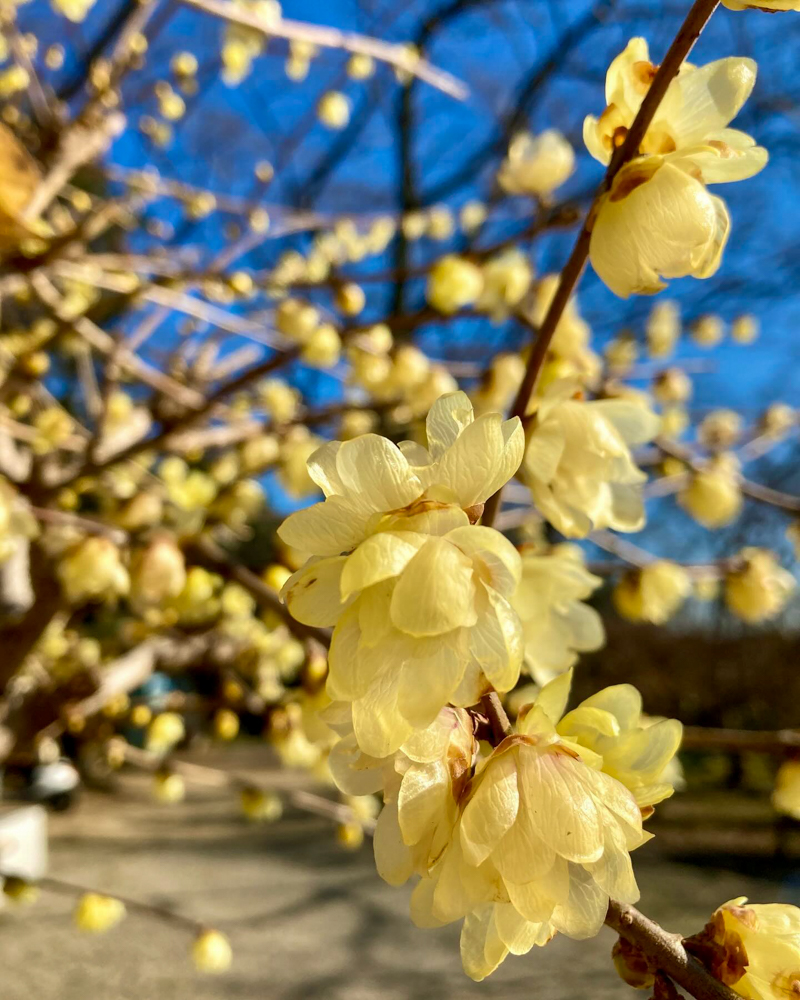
pixel 378 558
pixel 483 458
pixel 435 592
pixel 392 857
pixel 494 553
pixel 521 856
pixel 623 701
pixel 553 697
pixel 496 640
pixel 421 909
pixel 312 593
pixel 562 810
pixel 613 873
pixel 430 673
pixel 322 469
pixel 326 529
pixel 545 450
pixel 378 724
pixel 531 901
pixel 377 471
pixel 349 671
pixel 482 950
pixel 447 418
pixel 350 771
pixel 635 423
pixel 422 799
pixel 583 914
pixel 492 809
pixel 518 935
pixel 707 99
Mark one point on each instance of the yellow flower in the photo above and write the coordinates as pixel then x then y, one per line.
pixel 93 571
pixel 556 624
pixel 786 793
pixel 422 784
pixel 164 731
pixel 745 329
pixel 663 328
pixel 708 331
pixel 713 496
pixel 97 914
pixel 454 283
pixel 211 952
pixel 169 787
pixel 159 572
pixel 672 385
pixel 418 594
pixel 507 277
pixel 572 336
pixel 226 724
pixel 653 593
pixel 777 419
pixel 658 221
pixel 350 835
pixel 760 588
pixel 578 464
pixel 694 114
pixel 542 842
pixel 261 807
pixel 756 948
pixel 333 109
pixel 536 165
pixel 720 429
pixel 501 383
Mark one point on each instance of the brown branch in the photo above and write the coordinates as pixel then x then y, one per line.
pixel 684 41
pixel 667 952
pixel 779 741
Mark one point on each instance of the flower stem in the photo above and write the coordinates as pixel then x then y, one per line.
pixel 667 952
pixel 684 42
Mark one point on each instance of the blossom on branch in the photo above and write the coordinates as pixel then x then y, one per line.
pixel 578 464
pixel 419 594
pixel 658 220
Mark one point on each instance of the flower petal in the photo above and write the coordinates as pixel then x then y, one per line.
pixel 435 592
pixel 377 471
pixel 491 811
pixel 379 557
pixel 312 593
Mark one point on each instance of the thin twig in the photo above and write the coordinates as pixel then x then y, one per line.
pixel 684 42
pixel 331 38
pixel 667 952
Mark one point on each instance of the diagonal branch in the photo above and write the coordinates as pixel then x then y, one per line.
pixel 684 42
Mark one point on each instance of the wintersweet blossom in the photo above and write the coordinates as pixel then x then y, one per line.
pixel 713 496
pixel 658 221
pixel 556 624
pixel 786 793
pixel 544 835
pixel 419 594
pixel 652 593
pixel 422 784
pixel 756 948
pixel 578 464
pixel 536 165
pixel 454 283
pixel 759 588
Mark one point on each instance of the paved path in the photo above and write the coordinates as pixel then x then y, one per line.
pixel 306 919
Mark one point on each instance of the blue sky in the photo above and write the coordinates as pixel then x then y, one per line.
pixel 556 52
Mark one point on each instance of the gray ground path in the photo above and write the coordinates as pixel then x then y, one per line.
pixel 306 919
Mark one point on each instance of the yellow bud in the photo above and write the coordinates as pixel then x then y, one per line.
pixel 350 835
pixel 226 724
pixel 708 331
pixel 211 952
pixel 261 807
pixel 360 66
pixel 333 109
pixel 759 588
pixel 165 730
pixel 653 593
pixel 472 216
pixel 745 329
pixel 97 914
pixel 323 348
pixel 140 716
pixel 672 385
pixel 275 576
pixel 36 364
pixel 350 299
pixel 713 496
pixel 169 787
